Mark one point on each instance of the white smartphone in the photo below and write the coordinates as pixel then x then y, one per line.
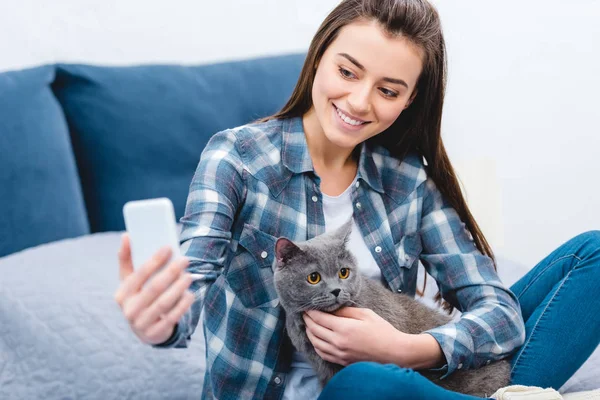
pixel 151 224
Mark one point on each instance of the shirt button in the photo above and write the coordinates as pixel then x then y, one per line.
pixel 315 199
pixel 357 184
pixel 378 249
pixel 488 362
pixel 264 254
pixel 399 290
pixel 460 366
pixel 277 380
pixel 358 205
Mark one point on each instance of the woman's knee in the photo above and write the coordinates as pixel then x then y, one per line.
pixel 590 236
pixel 589 243
pixel 582 246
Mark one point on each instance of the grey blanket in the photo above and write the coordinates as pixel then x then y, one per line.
pixel 62 335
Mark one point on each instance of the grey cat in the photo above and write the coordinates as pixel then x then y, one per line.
pixel 327 255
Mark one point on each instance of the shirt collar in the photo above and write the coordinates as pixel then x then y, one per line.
pixel 296 157
pixel 294 151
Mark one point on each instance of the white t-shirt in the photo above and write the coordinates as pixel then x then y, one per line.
pixel 302 382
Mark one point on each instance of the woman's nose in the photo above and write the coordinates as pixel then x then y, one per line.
pixel 359 102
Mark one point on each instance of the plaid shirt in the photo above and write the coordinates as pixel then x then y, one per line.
pixel 256 183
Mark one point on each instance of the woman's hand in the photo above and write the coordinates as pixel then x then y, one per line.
pixel 153 310
pixel 353 334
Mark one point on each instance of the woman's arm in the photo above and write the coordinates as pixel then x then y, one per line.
pixel 491 325
pixel 422 352
pixel 216 192
pixel 353 334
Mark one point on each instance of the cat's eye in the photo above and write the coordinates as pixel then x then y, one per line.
pixel 314 278
pixel 344 273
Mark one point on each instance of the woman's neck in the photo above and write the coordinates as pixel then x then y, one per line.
pixel 323 153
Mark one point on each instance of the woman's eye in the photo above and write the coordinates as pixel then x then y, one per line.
pixel 314 278
pixel 344 273
pixel 346 74
pixel 388 93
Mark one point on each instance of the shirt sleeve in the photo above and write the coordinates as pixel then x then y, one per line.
pixel 216 192
pixel 491 325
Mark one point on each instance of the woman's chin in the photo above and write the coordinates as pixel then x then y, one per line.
pixel 342 140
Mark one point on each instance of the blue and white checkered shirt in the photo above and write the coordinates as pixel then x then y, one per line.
pixel 256 183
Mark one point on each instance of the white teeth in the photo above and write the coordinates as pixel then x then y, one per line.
pixel 348 119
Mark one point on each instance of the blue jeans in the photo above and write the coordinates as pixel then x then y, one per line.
pixel 560 303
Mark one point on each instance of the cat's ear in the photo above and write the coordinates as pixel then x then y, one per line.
pixel 284 250
pixel 344 231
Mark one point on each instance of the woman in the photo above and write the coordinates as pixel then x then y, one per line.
pixel 360 136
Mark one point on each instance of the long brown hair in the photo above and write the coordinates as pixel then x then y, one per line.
pixel 418 128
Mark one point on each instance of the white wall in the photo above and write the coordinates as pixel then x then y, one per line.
pixel 135 31
pixel 522 92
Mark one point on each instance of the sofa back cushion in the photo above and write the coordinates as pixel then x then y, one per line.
pixel 138 132
pixel 40 195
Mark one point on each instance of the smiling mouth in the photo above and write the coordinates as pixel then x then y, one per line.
pixel 350 120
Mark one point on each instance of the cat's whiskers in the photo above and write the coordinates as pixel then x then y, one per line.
pixel 313 304
pixel 303 307
pixel 352 301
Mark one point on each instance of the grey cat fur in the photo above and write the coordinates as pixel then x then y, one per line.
pixel 327 254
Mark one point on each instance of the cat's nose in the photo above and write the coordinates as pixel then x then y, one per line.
pixel 335 292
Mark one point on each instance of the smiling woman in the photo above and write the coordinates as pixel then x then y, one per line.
pixel 364 81
pixel 359 140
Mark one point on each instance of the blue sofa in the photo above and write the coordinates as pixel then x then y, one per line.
pixel 76 143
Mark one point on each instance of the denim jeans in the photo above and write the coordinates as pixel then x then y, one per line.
pixel 560 303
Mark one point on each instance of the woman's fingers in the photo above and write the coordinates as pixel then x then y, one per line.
pixel 320 331
pixel 163 305
pixel 135 305
pixel 153 309
pixel 133 282
pixel 161 330
pixel 125 263
pixel 324 319
pixel 325 350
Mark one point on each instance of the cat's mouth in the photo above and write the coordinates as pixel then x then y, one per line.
pixel 334 305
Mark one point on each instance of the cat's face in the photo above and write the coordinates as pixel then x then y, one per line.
pixel 319 274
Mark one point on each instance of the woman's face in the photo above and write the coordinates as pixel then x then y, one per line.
pixel 363 82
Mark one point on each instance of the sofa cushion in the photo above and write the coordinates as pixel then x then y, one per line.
pixel 41 198
pixel 138 132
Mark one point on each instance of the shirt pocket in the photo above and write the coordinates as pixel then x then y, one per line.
pixel 408 251
pixel 250 273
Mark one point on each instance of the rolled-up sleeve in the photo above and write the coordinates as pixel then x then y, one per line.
pixel 491 325
pixel 216 192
